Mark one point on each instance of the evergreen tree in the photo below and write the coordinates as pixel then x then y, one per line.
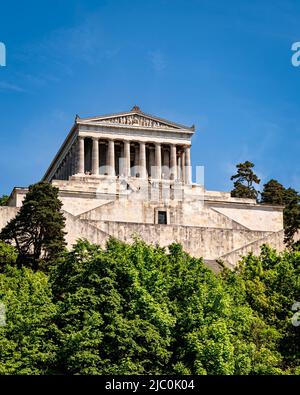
pixel 291 215
pixel 4 200
pixel 244 179
pixel 37 231
pixel 275 193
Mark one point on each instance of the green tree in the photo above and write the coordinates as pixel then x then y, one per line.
pixel 27 330
pixel 275 193
pixel 143 309
pixel 216 332
pixel 4 200
pixel 138 309
pixel 291 215
pixel 244 179
pixel 270 284
pixel 110 319
pixel 37 231
pixel 8 255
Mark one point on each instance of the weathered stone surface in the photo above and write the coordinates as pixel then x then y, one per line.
pixel 97 204
pixel 214 229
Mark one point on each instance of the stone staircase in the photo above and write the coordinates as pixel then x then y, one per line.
pixel 275 238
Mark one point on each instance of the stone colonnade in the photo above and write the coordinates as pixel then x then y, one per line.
pixel 137 159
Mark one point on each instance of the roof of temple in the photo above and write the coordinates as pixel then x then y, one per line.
pixel 135 118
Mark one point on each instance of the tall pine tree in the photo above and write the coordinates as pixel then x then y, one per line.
pixel 291 215
pixel 37 231
pixel 244 179
pixel 276 193
pixel 273 193
pixel 3 200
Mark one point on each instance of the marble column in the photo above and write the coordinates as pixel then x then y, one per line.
pixel 179 167
pixel 60 170
pixel 188 165
pixel 136 155
pixel 95 157
pixel 152 162
pixel 158 161
pixel 80 155
pixel 68 165
pixel 165 163
pixel 73 159
pixel 71 162
pixel 142 161
pixel 60 174
pixel 126 158
pixel 183 166
pixel 173 164
pixel 63 169
pixel 111 158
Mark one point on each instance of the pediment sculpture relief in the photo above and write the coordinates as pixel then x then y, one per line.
pixel 136 120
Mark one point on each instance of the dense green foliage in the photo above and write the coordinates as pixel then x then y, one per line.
pixel 270 285
pixel 8 255
pixel 275 193
pixel 146 310
pixel 27 343
pixel 244 180
pixel 3 200
pixel 37 231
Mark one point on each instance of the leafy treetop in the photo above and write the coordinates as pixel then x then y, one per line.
pixel 37 231
pixel 244 179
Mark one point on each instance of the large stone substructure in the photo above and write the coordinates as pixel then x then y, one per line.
pixel 129 174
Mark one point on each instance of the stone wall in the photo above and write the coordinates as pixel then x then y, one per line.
pixel 77 229
pixel 6 214
pixel 209 243
pixel 274 240
pixel 208 224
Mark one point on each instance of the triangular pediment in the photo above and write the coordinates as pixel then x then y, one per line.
pixel 134 118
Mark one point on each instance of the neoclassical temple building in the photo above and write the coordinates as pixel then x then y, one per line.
pixel 130 173
pixel 131 144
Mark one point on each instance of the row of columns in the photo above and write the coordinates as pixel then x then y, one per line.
pixel 141 162
pixel 68 165
pixel 74 161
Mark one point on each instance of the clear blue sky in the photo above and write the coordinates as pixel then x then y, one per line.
pixel 222 65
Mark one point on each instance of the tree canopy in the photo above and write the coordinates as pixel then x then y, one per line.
pixel 37 231
pixel 275 193
pixel 244 180
pixel 143 309
pixel 27 340
pixel 4 200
